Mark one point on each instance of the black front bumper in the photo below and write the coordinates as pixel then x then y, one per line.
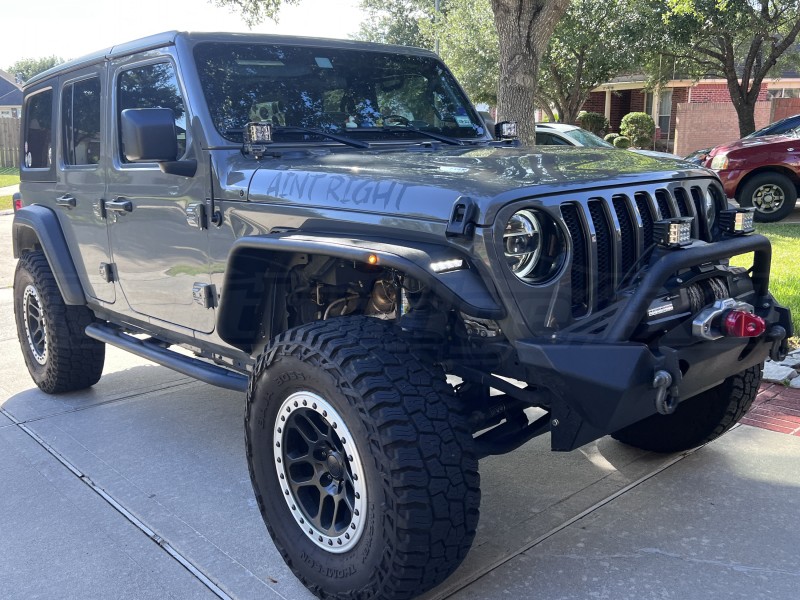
pixel 601 385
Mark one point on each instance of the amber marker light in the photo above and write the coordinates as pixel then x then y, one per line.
pixel 372 259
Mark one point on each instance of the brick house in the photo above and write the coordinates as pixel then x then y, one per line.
pixel 690 114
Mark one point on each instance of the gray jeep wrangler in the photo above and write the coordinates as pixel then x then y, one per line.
pixel 330 228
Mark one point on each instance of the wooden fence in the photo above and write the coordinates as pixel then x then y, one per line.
pixel 9 142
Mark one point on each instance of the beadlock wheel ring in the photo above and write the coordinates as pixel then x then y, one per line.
pixel 320 472
pixel 35 327
pixel 768 198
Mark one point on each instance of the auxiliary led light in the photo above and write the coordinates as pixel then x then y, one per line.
pixel 737 221
pixel 506 130
pixel 673 233
pixel 443 266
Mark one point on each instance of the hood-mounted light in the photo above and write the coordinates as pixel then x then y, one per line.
pixel 737 221
pixel 257 136
pixel 506 130
pixel 673 233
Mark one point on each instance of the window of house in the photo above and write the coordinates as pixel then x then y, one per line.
pixel 664 111
pixel 80 120
pixel 153 86
pixel 648 103
pixel 783 93
pixel 38 130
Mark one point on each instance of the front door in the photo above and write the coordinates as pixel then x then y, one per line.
pixel 160 258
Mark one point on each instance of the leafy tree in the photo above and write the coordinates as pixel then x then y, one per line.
pixel 592 43
pixel 741 41
pixel 397 22
pixel 254 11
pixel 28 67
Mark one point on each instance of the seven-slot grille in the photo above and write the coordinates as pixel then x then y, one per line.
pixel 612 235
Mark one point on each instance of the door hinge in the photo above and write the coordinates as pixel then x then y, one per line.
pixel 108 272
pixel 99 209
pixel 196 215
pixel 204 294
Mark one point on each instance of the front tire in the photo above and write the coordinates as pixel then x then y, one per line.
pixel 362 467
pixel 773 195
pixel 59 355
pixel 697 420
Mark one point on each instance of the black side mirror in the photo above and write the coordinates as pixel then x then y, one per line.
pixel 148 134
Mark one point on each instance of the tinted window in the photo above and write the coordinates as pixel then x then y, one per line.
pixel 80 119
pixel 153 86
pixel 339 90
pixel 38 130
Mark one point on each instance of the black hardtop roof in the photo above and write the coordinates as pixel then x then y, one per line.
pixel 169 38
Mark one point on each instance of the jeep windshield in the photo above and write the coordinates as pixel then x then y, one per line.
pixel 362 94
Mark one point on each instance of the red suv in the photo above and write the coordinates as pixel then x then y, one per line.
pixel 763 172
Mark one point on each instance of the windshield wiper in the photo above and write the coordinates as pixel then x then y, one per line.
pixel 348 141
pixel 435 136
pixel 320 132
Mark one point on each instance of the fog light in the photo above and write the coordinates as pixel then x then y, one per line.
pixel 673 233
pixel 737 221
pixel 739 323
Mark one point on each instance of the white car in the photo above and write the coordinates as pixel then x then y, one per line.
pixel 561 134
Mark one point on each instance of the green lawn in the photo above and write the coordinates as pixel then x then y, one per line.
pixel 5 202
pixel 785 277
pixel 8 176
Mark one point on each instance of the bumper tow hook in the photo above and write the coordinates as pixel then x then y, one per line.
pixel 665 404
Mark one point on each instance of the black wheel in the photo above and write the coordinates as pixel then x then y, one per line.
pixel 59 355
pixel 362 467
pixel 772 194
pixel 697 420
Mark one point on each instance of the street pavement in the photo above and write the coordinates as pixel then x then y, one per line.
pixel 138 488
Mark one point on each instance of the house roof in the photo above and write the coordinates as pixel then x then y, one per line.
pixel 10 92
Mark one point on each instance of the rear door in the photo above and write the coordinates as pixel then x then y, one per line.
pixel 79 193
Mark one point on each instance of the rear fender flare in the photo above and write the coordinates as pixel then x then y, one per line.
pixel 36 227
pixel 251 257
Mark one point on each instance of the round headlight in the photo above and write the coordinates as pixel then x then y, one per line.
pixel 533 246
pixel 522 240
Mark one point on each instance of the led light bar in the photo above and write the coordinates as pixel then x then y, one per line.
pixel 737 221
pixel 673 233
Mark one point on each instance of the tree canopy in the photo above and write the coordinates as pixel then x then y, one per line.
pixel 28 67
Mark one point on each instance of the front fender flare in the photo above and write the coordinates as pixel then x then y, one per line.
pixel 463 288
pixel 37 225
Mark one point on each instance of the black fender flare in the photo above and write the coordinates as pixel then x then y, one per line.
pixel 37 225
pixel 463 288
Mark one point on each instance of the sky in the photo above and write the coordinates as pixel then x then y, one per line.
pixel 36 28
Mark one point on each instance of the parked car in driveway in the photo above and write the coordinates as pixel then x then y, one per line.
pixel 562 134
pixel 787 126
pixel 762 172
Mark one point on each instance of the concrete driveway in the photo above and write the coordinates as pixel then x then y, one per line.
pixel 138 488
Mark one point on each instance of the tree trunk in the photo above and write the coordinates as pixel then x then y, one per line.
pixel 745 104
pixel 523 28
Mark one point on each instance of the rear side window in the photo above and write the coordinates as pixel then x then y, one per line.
pixel 37 145
pixel 153 86
pixel 80 119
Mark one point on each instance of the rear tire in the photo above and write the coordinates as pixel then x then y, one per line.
pixel 697 420
pixel 59 355
pixel 362 467
pixel 773 195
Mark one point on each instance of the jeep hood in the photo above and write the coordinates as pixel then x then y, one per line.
pixel 424 182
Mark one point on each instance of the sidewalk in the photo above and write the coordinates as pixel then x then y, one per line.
pixel 9 190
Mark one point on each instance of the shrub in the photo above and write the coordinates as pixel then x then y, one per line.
pixel 594 122
pixel 639 127
pixel 622 142
pixel 611 137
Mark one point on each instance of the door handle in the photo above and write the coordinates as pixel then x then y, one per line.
pixel 119 205
pixel 66 201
